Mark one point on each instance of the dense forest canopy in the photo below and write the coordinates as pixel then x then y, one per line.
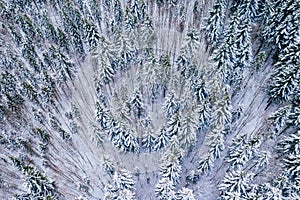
pixel 149 99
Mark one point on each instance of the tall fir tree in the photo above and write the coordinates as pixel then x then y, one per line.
pixel 186 194
pixel 188 133
pixel 165 189
pixel 137 104
pixel 214 23
pixel 171 104
pixel 237 182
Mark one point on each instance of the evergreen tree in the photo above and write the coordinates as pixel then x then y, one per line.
pixel 221 115
pixel 292 164
pixel 165 189
pixel 151 78
pixel 120 104
pixel 149 138
pixel 123 179
pixel 125 50
pixel 206 163
pixel 48 28
pixel 280 117
pixel 204 111
pixel 97 136
pixel 110 192
pixel 137 105
pixel 188 133
pixel 118 13
pixel 28 26
pixel 173 144
pixel 91 34
pixel 187 59
pixel 37 183
pixel 224 59
pixel 106 72
pixel 248 9
pixel 171 169
pixel 290 144
pixel 124 139
pixel 164 73
pixel 284 81
pixel 130 20
pixel 171 104
pixel 104 58
pixel 136 11
pixel 294 117
pixel 63 41
pixel 263 159
pixel 174 125
pixel 42 134
pixel 216 141
pixel 237 182
pixel 266 191
pixel 281 26
pixel 103 118
pixel 122 186
pixel 100 91
pixel 200 90
pixel 147 31
pixel 63 65
pixel 244 45
pixel 173 150
pixel 28 91
pixel 95 10
pixel 214 23
pixel 162 140
pixel 186 194
pixel 78 43
pixel 108 165
pixel 244 148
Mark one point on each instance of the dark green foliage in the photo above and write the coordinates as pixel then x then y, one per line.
pixel 206 163
pixel 164 189
pixel 290 145
pixel 171 105
pixel 247 9
pixel 200 90
pixel 214 23
pixel 28 91
pixel 281 26
pixel 292 163
pixel 189 51
pixel 224 60
pixel 243 149
pixel 63 134
pixel 284 82
pixel 204 112
pixel 149 138
pixel 125 50
pixel 174 124
pixel 236 184
pixel 162 140
pixel 103 118
pixel 221 114
pixel 123 138
pixel 244 45
pixel 137 105
pixel 44 136
pixel 171 169
pixel 280 117
pixel 37 183
pixel 91 34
